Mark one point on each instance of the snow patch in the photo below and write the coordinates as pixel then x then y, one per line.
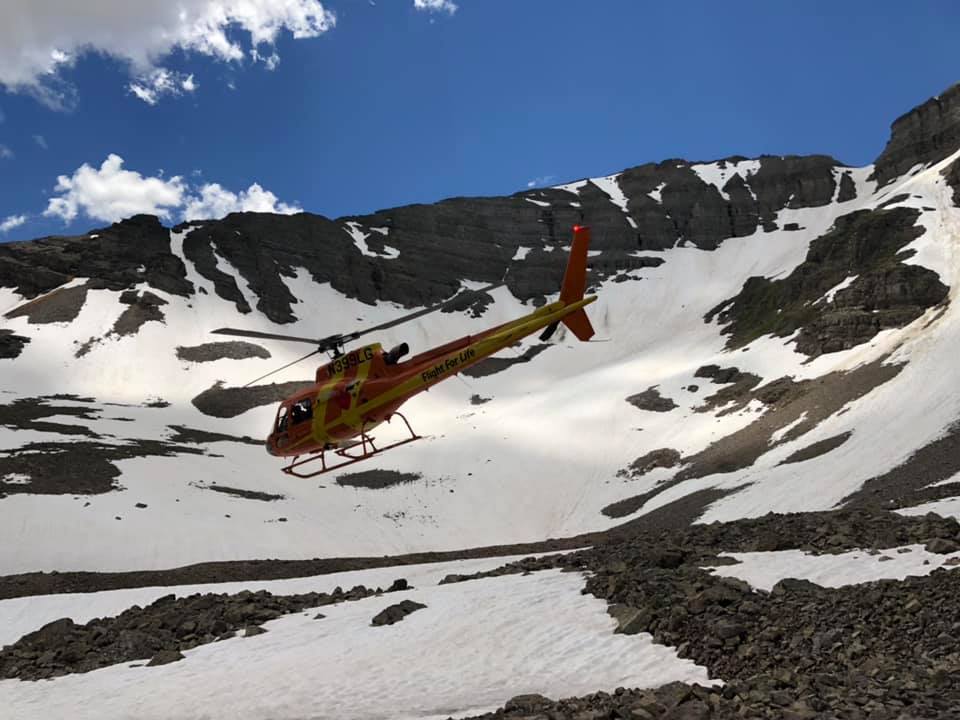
pixel 15 479
pixel 842 285
pixel 719 173
pixel 763 570
pixel 354 230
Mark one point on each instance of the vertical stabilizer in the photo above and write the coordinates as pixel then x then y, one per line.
pixel 575 283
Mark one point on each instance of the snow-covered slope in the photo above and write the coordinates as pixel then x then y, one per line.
pixel 539 449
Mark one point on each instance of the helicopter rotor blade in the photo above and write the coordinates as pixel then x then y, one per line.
pixel 336 342
pixel 456 299
pixel 289 364
pixel 263 335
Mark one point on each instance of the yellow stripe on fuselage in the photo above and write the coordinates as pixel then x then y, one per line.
pixel 455 361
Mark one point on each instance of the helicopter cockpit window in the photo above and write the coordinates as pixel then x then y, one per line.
pixel 301 410
pixel 282 419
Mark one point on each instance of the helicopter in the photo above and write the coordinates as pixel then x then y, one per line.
pixel 358 390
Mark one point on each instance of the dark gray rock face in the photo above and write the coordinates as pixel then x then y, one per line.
pixel 267 250
pixel 817 449
pixel 952 174
pixel 122 255
pixel 697 212
pixel 848 191
pixel 885 294
pixel 11 345
pixel 928 133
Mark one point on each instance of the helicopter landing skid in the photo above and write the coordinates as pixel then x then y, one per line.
pixel 348 454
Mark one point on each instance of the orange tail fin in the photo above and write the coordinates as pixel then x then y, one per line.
pixel 575 283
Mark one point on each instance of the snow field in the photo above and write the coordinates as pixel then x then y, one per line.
pixel 476 645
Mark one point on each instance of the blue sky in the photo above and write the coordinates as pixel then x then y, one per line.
pixel 390 104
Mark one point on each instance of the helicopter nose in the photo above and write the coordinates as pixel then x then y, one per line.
pixel 269 443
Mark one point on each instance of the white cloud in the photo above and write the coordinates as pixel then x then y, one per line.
pixel 270 61
pixel 153 85
pixel 436 6
pixel 215 202
pixel 13 221
pixel 5 152
pixel 41 141
pixel 111 193
pixel 540 181
pixel 40 37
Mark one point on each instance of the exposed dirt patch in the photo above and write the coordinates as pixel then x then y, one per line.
pixel 801 405
pixel 226 402
pixel 377 479
pixel 232 350
pixel 630 505
pixel 39 583
pixel 660 458
pixel 245 494
pixel 29 414
pixel 895 200
pixel 493 365
pixel 477 400
pixel 735 396
pixel 11 345
pixel 908 484
pixel 77 468
pixel 60 305
pixel 818 448
pixel 202 437
pixel 142 308
pixel 651 399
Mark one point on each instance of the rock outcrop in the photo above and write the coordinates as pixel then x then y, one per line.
pixel 862 249
pixel 927 134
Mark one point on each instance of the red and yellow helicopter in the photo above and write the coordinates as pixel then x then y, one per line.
pixel 358 390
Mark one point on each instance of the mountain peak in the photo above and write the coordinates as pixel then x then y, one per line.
pixel 927 133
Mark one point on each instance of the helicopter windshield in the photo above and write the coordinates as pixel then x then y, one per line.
pixel 282 419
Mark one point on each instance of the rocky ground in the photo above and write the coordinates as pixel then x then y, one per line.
pixel 160 631
pixel 875 650
pixel 883 649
